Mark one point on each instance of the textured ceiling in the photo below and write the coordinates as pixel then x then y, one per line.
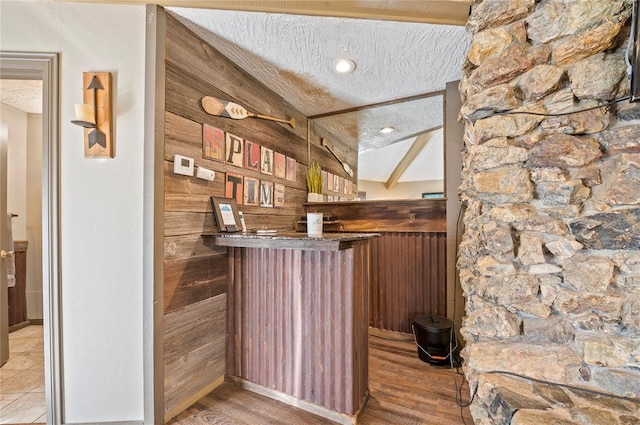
pixel 24 95
pixel 293 55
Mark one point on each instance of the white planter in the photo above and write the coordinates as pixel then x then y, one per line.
pixel 315 197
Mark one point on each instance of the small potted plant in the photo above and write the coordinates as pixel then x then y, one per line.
pixel 314 183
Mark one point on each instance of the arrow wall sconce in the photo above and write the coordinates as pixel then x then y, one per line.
pixel 95 115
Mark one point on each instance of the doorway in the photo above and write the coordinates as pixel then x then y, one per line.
pixel 44 67
pixel 22 397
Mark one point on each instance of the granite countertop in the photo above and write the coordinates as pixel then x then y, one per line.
pixel 290 240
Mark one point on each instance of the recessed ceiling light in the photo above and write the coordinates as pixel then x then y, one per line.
pixel 343 66
pixel 387 129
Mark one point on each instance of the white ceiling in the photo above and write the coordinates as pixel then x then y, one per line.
pixel 23 95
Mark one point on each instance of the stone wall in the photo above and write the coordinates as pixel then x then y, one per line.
pixel 550 258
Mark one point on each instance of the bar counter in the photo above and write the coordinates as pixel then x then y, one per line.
pixel 291 240
pixel 297 327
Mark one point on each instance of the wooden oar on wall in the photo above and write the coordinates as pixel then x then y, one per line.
pixel 224 108
pixel 345 166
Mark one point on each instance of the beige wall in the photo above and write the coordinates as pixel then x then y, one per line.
pixel 34 216
pixel 24 195
pixel 16 122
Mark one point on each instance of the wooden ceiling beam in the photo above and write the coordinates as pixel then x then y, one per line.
pixel 444 12
pixel 409 157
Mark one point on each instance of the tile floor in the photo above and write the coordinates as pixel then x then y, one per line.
pixel 22 397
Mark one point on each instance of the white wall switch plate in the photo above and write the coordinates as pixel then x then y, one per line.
pixel 205 174
pixel 183 165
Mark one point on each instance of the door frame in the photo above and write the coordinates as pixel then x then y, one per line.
pixel 45 67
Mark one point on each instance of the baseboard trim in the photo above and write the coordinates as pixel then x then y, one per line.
pixel 19 326
pixel 191 400
pixel 36 321
pixel 324 412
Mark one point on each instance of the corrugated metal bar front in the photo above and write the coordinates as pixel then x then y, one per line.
pixel 297 322
pixel 408 277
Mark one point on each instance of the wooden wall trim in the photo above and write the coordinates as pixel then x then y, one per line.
pixel 153 222
pixel 447 12
pixel 454 145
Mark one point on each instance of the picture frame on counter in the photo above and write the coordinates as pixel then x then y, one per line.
pixel 226 214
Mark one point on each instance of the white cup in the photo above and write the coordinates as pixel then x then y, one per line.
pixel 314 224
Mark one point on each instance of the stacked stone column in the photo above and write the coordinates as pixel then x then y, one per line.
pixel 550 258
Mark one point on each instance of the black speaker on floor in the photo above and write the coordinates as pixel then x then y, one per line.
pixel 432 334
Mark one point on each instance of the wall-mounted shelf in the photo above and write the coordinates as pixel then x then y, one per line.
pixel 327 226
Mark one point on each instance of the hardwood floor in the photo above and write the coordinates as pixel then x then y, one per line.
pixel 404 391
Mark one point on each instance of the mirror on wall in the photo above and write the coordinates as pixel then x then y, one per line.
pixel 399 146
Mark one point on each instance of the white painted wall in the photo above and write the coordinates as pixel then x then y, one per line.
pixel 403 190
pixel 34 216
pixel 101 202
pixel 16 122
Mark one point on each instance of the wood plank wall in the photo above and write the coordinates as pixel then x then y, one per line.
pixel 331 167
pixel 195 283
pixel 408 267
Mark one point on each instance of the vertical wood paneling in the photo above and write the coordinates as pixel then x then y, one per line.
pixel 408 278
pixel 196 274
pixel 297 323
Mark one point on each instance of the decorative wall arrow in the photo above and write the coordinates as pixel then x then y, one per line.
pixel 97 92
pixel 96 136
